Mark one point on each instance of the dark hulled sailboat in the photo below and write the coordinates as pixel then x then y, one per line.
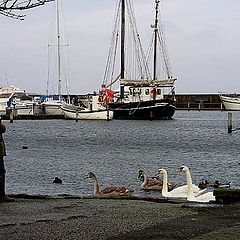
pixel 141 97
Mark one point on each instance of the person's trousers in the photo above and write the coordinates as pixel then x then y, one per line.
pixel 2 185
pixel 2 177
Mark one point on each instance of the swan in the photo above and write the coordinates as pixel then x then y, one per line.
pixel 152 183
pixel 112 190
pixel 179 192
pixel 206 197
pixel 149 183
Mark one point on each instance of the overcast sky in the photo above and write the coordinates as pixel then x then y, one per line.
pixel 203 42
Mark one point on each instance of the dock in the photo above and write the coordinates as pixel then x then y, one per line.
pixel 227 195
pixel 199 102
pixel 32 117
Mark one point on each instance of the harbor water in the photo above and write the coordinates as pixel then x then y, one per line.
pixel 117 150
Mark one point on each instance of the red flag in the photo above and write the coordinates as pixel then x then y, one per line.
pixel 110 93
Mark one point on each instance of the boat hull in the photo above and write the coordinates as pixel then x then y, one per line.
pixel 52 108
pixel 76 113
pixel 24 110
pixel 147 110
pixel 231 103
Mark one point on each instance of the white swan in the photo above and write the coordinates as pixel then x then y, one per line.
pixel 112 190
pixel 206 197
pixel 152 183
pixel 179 192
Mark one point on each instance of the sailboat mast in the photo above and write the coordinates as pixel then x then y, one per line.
pixel 123 39
pixel 58 50
pixel 155 42
pixel 122 47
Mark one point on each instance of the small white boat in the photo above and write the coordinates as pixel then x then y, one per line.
pixel 51 105
pixel 23 108
pixel 13 98
pixel 231 102
pixel 94 111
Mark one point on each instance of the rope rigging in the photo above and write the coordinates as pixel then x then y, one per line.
pixel 163 56
pixel 10 8
pixel 111 59
pixel 137 63
pixel 136 66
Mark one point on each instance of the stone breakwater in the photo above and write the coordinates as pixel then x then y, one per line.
pixel 105 218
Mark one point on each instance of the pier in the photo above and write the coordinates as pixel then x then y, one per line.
pixel 31 117
pixel 198 102
pixel 227 195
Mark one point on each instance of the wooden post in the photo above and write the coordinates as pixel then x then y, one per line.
pixel 11 116
pixel 221 107
pixel 76 116
pixel 230 125
pixel 108 114
pixel 151 115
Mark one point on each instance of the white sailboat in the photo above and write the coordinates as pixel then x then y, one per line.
pixel 230 101
pixel 94 111
pixel 51 104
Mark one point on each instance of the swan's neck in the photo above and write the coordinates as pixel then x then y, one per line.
pixel 145 180
pixel 165 183
pixel 189 185
pixel 96 186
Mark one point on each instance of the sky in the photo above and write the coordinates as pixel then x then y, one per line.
pixel 203 39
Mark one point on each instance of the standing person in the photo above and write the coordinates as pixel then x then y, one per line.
pixel 3 197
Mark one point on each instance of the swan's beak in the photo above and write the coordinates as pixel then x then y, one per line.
pixel 179 170
pixel 86 176
pixel 158 173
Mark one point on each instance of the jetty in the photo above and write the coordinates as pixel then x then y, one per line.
pixel 198 102
pixel 227 195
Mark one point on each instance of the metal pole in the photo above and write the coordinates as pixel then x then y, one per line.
pixel 230 125
pixel 59 51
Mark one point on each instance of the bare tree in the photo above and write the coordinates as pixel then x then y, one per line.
pixel 12 8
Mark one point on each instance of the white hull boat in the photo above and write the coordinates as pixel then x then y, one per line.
pixel 52 108
pixel 13 98
pixel 79 113
pixel 24 108
pixel 231 102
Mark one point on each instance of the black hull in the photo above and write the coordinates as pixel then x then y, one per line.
pixel 147 110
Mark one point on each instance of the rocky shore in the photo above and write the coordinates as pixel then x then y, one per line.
pixel 68 217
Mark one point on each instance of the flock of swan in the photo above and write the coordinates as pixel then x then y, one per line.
pixel 189 192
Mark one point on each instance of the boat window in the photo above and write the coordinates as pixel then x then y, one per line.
pixel 158 91
pixel 147 92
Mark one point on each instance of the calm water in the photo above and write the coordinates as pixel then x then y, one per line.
pixel 116 150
